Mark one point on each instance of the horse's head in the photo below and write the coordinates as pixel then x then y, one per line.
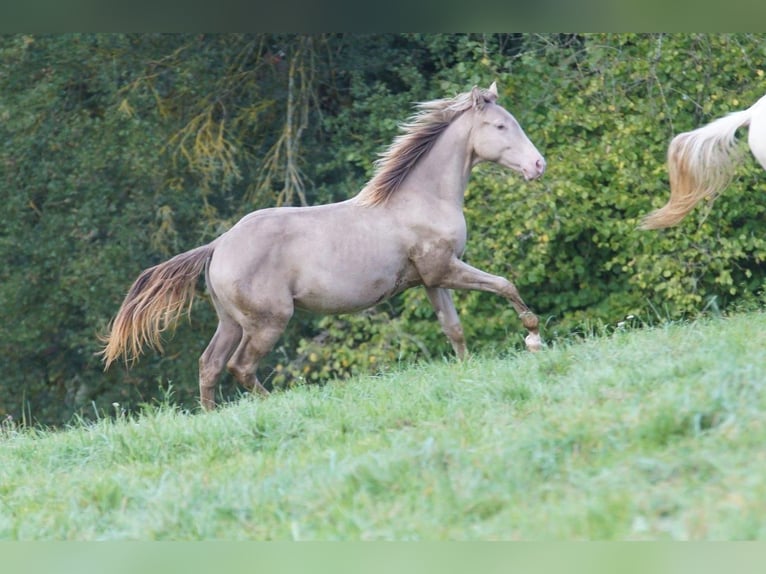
pixel 497 136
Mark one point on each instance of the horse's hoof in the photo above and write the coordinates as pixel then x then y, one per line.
pixel 534 342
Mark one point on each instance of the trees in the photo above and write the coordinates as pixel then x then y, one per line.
pixel 121 150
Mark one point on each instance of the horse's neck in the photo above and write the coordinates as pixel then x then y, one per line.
pixel 441 175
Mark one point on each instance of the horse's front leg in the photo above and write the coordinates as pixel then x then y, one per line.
pixel 441 300
pixel 459 275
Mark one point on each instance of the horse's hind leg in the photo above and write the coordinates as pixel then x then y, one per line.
pixel 213 360
pixel 258 338
pixel 441 300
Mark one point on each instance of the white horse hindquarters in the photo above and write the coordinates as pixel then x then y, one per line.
pixel 756 138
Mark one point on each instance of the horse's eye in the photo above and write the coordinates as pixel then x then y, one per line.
pixel 500 126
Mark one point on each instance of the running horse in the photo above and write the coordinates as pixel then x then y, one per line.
pixel 404 228
pixel 701 162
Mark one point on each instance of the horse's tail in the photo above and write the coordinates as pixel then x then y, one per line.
pixel 700 164
pixel 154 302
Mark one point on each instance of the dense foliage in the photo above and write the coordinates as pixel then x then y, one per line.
pixel 118 151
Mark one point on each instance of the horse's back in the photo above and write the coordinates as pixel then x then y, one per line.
pixel 330 258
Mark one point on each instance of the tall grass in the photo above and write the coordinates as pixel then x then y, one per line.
pixel 656 433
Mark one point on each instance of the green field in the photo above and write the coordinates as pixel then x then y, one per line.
pixel 654 433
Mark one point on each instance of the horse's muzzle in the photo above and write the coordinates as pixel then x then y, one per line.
pixel 535 170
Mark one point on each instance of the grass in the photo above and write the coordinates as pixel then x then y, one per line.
pixel 648 434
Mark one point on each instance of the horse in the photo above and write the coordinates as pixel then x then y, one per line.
pixel 701 162
pixel 405 228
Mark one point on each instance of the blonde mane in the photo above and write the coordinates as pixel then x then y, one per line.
pixel 418 136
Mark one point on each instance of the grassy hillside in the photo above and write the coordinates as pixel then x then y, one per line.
pixel 648 434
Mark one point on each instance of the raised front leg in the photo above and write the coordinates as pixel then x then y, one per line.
pixel 441 299
pixel 459 275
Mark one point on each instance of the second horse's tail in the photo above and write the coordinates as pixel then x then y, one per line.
pixel 154 303
pixel 700 164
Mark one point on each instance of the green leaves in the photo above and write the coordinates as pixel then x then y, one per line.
pixel 605 126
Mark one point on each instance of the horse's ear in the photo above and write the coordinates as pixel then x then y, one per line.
pixel 477 99
pixel 480 98
pixel 493 89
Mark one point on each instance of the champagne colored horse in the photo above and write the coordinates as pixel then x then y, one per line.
pixel 405 228
pixel 701 162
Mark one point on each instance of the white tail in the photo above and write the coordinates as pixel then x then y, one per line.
pixel 701 162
